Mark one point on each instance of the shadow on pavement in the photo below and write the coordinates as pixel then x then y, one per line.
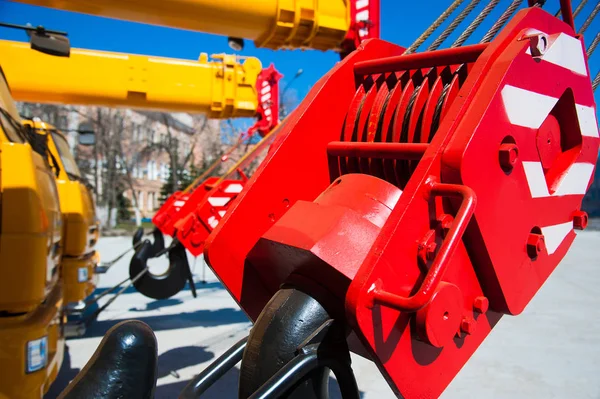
pixel 158 304
pixel 178 358
pixel 65 375
pixel 173 360
pixel 199 318
pixel 199 286
pixel 227 387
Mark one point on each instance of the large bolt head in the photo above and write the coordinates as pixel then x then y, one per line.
pixel 535 245
pixel 427 247
pixel 481 304
pixel 467 325
pixel 580 220
pixel 508 156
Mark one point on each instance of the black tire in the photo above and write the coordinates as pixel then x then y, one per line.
pixel 160 286
pixel 289 318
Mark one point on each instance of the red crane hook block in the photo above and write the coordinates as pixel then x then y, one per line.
pixel 421 197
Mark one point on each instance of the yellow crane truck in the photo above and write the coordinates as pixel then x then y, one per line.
pixel 31 296
pixel 80 224
pixel 33 309
pixel 31 291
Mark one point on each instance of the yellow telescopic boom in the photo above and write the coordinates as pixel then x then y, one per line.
pixel 317 24
pixel 221 87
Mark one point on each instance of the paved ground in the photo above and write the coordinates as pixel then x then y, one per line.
pixel 551 351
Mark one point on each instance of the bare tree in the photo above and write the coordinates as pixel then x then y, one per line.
pixel 56 115
pixel 133 149
pixel 109 125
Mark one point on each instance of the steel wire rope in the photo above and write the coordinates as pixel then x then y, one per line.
pixel 589 19
pixel 433 27
pixel 475 24
pixel 501 21
pixel 453 25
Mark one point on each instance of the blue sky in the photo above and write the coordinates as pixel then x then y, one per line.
pixel 402 22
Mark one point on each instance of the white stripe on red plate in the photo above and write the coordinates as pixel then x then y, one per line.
pixel 526 108
pixel 234 188
pixel 218 201
pixel 574 182
pixel 566 52
pixel 554 235
pixel 587 120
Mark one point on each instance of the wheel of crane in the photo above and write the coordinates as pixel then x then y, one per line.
pixel 288 328
pixel 163 285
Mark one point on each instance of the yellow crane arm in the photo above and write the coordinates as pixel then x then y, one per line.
pixel 318 24
pixel 221 87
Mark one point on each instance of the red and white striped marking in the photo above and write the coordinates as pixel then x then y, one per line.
pixel 554 235
pixel 574 182
pixel 529 109
pixel 218 201
pixel 526 108
pixel 362 14
pixel 265 99
pixel 213 222
pixel 587 120
pixel 566 52
pixel 234 188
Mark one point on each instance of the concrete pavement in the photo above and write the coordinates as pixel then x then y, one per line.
pixel 551 351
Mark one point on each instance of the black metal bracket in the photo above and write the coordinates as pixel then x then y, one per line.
pixel 217 369
pixel 326 347
pixel 323 349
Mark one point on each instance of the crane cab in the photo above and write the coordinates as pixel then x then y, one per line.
pixel 31 293
pixel 80 224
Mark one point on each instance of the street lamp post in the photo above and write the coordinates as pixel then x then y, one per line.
pixel 282 111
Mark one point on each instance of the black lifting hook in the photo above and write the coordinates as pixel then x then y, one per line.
pixel 157 246
pixel 167 284
pixel 292 347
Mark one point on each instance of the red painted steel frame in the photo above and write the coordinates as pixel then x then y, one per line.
pixel 492 261
pixel 198 221
pixel 430 59
pixel 180 203
pixel 365 24
pixel 412 151
pixel 418 298
pixel 434 276
pixel 296 168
